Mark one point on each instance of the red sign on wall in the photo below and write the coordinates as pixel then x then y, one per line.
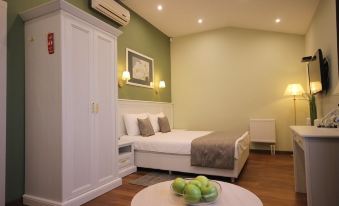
pixel 50 43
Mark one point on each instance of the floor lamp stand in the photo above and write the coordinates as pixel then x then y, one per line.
pixel 295 110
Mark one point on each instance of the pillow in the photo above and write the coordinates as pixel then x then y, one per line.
pixel 164 124
pixel 145 127
pixel 131 123
pixel 154 120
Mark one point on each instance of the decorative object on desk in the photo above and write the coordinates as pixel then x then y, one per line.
pixel 331 119
pixel 124 78
pixel 294 90
pixel 313 107
pixel 141 69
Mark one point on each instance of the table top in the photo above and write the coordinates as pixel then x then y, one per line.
pixel 161 195
pixel 315 132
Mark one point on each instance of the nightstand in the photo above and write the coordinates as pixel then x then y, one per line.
pixel 126 158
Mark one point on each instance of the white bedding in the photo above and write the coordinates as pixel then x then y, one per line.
pixel 179 142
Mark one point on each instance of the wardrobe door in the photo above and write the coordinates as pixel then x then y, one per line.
pixel 78 108
pixel 3 76
pixel 104 66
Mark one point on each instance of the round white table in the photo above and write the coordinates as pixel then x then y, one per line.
pixel 161 195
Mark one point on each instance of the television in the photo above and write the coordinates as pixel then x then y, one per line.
pixel 318 73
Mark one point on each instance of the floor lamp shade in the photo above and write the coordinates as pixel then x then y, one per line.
pixel 294 90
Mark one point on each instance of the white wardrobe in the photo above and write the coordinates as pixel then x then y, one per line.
pixel 71 149
pixel 3 86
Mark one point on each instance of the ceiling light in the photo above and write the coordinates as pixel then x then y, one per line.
pixel 277 20
pixel 199 21
pixel 159 7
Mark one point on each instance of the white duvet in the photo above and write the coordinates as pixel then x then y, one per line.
pixel 179 142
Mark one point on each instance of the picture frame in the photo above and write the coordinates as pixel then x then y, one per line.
pixel 141 69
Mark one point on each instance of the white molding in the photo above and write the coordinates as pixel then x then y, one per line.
pixel 81 199
pixel 3 88
pixel 143 101
pixel 56 5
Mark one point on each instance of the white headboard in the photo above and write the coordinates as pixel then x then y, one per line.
pixel 135 106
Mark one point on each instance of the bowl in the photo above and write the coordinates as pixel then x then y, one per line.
pixel 202 201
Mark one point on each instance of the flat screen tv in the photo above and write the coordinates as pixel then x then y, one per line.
pixel 318 73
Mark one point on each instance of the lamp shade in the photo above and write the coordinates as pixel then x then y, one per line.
pixel 162 84
pixel 315 87
pixel 126 76
pixel 294 90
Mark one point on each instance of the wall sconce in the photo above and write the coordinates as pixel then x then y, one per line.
pixel 315 87
pixel 124 78
pixel 161 85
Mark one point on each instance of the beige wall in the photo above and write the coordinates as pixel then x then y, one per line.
pixel 322 34
pixel 222 78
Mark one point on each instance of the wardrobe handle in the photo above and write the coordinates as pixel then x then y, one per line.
pixel 96 108
pixel 93 107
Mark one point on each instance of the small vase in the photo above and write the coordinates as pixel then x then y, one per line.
pixel 313 109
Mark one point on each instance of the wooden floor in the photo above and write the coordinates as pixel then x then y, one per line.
pixel 269 177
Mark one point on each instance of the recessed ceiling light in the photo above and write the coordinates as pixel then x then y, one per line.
pixel 200 21
pixel 278 20
pixel 159 7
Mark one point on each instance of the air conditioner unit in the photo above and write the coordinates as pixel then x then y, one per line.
pixel 113 10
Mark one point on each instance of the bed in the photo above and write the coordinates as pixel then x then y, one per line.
pixel 171 151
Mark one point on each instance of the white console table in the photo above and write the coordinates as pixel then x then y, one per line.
pixel 316 164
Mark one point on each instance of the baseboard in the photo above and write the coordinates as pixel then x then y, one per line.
pixel 259 151
pixel 79 200
pixel 127 171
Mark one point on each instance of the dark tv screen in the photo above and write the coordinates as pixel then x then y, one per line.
pixel 318 73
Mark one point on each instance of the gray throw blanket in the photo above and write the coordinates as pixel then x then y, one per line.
pixel 215 150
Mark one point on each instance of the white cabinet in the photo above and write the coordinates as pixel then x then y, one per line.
pixel 316 168
pixel 126 164
pixel 71 149
pixel 3 82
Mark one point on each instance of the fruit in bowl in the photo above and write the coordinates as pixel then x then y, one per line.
pixel 197 191
pixel 209 192
pixel 192 193
pixel 178 185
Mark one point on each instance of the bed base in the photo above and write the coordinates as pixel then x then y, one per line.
pixel 182 163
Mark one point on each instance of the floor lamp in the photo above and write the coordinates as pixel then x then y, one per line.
pixel 294 90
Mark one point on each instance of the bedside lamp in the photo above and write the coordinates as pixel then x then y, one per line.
pixel 294 90
pixel 161 85
pixel 124 78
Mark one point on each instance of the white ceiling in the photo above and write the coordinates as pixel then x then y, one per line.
pixel 179 17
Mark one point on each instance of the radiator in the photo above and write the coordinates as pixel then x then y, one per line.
pixel 262 130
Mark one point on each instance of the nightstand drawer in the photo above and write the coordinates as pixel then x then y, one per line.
pixel 125 161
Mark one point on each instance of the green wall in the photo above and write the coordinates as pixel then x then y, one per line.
pixel 139 35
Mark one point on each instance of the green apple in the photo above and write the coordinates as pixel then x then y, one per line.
pixel 195 182
pixel 209 192
pixel 192 193
pixel 178 185
pixel 202 179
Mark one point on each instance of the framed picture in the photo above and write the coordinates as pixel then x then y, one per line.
pixel 141 69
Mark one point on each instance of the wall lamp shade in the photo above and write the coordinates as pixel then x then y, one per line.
pixel 315 87
pixel 294 90
pixel 162 84
pixel 126 76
